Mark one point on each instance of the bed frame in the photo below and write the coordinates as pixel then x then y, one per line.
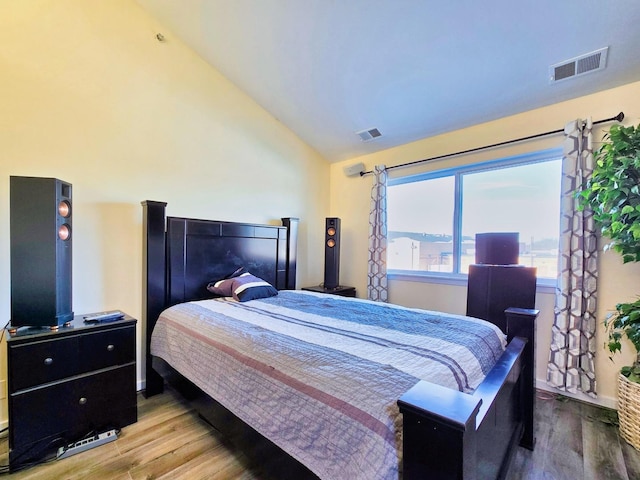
pixel 446 434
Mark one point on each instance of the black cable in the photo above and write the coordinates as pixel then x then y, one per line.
pixel 4 329
pixel 22 466
pixel 32 463
pixel 59 441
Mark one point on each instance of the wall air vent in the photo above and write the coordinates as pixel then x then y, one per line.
pixel 369 134
pixel 587 63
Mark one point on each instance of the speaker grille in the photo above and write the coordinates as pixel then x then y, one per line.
pixel 64 232
pixel 64 208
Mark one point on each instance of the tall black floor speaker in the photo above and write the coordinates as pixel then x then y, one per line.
pixel 40 212
pixel 332 253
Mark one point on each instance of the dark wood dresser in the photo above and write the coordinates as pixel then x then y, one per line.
pixel 68 384
pixel 342 290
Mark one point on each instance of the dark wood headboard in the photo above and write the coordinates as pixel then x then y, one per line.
pixel 182 255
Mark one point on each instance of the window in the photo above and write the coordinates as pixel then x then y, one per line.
pixel 433 217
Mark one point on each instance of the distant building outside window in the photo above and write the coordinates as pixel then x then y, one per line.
pixel 433 217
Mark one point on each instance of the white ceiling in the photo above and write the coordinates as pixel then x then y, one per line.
pixel 411 68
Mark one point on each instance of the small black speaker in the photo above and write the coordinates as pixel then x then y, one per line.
pixel 332 253
pixel 497 248
pixel 40 212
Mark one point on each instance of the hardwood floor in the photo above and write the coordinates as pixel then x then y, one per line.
pixel 575 440
pixel 170 441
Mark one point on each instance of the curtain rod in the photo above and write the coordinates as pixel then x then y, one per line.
pixel 617 118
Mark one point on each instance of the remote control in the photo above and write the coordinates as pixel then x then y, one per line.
pixel 104 316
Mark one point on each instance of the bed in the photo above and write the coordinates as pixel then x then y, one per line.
pixel 406 426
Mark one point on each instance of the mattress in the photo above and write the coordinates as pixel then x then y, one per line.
pixel 319 375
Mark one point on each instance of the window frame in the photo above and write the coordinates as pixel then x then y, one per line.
pixel 459 278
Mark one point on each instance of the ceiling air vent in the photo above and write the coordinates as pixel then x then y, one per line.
pixel 587 63
pixel 368 135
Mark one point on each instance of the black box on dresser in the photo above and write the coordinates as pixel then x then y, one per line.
pixel 67 384
pixel 341 290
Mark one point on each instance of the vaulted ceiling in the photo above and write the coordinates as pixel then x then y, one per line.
pixel 410 68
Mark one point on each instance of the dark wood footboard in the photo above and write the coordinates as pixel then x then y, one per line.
pixel 453 435
pixel 522 323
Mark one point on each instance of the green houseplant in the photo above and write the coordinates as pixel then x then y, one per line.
pixel 625 321
pixel 613 194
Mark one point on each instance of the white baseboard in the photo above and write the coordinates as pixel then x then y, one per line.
pixel 601 401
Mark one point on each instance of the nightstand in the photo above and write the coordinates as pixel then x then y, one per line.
pixel 341 290
pixel 68 384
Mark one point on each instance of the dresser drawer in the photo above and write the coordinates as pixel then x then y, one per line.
pixel 73 408
pixel 68 383
pixel 42 362
pixel 107 349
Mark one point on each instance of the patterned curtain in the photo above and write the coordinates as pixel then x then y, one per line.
pixel 377 281
pixel 571 359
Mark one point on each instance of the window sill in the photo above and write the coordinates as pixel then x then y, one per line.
pixel 543 285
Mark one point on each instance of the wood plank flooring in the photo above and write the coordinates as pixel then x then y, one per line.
pixel 170 441
pixel 575 440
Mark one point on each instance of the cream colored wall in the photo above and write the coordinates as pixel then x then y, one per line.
pixel 88 95
pixel 350 202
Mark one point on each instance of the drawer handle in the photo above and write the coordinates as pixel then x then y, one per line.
pixel 110 348
pixel 82 400
pixel 48 361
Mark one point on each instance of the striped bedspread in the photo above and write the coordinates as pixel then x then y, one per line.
pixel 319 375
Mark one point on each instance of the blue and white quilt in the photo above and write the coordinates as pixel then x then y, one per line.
pixel 319 375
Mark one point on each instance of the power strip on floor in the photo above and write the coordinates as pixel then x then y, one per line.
pixel 87 443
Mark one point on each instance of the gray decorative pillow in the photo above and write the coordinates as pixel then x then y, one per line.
pixel 223 288
pixel 243 288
